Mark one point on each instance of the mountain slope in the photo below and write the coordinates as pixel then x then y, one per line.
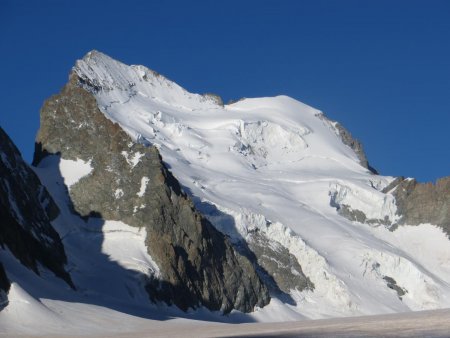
pixel 280 169
pixel 169 197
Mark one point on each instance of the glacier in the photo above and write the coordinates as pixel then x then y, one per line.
pixel 274 164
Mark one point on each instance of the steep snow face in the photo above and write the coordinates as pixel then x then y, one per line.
pixel 278 166
pixel 116 82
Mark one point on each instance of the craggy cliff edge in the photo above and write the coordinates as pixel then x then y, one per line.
pixel 130 183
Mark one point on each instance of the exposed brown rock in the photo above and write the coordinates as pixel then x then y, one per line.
pixel 424 202
pixel 198 265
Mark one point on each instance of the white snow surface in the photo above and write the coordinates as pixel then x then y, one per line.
pixel 72 171
pixel 278 165
pixel 272 164
pixel 144 182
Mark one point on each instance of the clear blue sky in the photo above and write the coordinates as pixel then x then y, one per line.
pixel 381 68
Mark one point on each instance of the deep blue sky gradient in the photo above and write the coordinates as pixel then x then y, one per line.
pixel 381 68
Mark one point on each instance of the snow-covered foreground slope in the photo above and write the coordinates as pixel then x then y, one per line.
pixel 414 324
pixel 271 166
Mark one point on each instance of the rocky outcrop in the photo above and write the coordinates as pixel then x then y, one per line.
pixel 278 267
pixel 129 182
pixel 415 203
pixel 360 217
pixel 392 284
pixel 423 202
pixel 26 210
pixel 349 141
pixel 214 98
pixel 354 144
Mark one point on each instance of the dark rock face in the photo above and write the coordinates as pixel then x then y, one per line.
pixel 392 284
pixel 130 183
pixel 276 266
pixel 360 217
pixel 26 210
pixel 4 287
pixel 423 202
pixel 281 268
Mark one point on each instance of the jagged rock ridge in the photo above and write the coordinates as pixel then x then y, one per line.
pixel 423 202
pixel 130 183
pixel 26 211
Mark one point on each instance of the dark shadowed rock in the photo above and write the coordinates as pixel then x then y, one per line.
pixel 279 267
pixel 4 287
pixel 392 284
pixel 26 210
pixel 130 183
pixel 276 266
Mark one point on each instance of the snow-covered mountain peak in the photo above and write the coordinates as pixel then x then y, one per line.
pixel 259 131
pixel 103 75
pixel 272 165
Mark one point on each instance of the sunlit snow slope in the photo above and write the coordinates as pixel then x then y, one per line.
pixel 279 166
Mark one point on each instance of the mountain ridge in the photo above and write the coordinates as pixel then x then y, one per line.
pixel 182 200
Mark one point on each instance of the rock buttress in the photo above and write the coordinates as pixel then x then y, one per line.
pixel 130 183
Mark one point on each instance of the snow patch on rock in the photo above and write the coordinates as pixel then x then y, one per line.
pixel 118 193
pixel 73 171
pixel 134 159
pixel 144 183
pixel 125 245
